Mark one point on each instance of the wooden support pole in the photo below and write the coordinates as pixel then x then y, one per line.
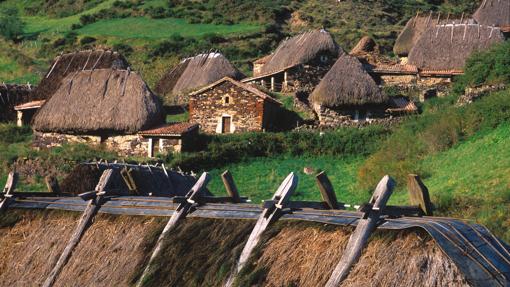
pixel 268 216
pixel 327 191
pixel 180 213
pixel 230 186
pixel 52 184
pixel 86 219
pixel 10 186
pixel 419 194
pixel 366 225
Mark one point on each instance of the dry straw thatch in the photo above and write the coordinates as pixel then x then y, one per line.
pixel 12 95
pixel 446 47
pixel 493 12
pixel 196 72
pixel 69 63
pixel 301 49
pixel 365 45
pixel 347 84
pixel 98 102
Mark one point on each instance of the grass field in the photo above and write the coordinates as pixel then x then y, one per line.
pixel 142 27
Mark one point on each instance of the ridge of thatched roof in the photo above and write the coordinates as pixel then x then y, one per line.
pixel 69 63
pixel 347 83
pixel 494 13
pixel 98 101
pixel 416 26
pixel 244 86
pixel 195 72
pixel 300 49
pixel 446 47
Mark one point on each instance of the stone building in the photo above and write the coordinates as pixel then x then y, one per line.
pixel 172 137
pixel 298 64
pixel 229 106
pixel 106 107
pixel 192 74
pixel 12 95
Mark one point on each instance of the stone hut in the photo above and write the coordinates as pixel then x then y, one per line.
pixel 101 106
pixel 348 94
pixel 192 74
pixel 171 137
pixel 494 13
pixel 12 95
pixel 229 106
pixel 298 64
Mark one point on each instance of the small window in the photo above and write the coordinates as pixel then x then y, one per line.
pixel 324 58
pixel 226 100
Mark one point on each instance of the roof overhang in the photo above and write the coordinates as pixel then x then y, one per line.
pixel 30 105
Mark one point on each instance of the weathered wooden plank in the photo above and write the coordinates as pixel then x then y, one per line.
pixel 52 184
pixel 93 206
pixel 10 186
pixel 419 194
pixel 268 216
pixel 230 186
pixel 327 190
pixel 365 227
pixel 180 213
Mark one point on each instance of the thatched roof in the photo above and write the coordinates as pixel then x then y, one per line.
pixel 196 72
pixel 446 47
pixel 300 49
pixel 347 83
pixel 69 63
pixel 100 101
pixel 365 45
pixel 494 12
pixel 12 95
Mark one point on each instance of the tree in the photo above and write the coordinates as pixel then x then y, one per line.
pixel 11 26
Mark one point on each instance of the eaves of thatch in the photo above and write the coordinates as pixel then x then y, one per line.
pixel 447 47
pixel 98 102
pixel 300 49
pixel 195 72
pixel 494 13
pixel 347 84
pixel 69 63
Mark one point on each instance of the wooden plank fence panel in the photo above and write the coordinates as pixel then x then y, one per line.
pixel 360 237
pixel 230 186
pixel 419 194
pixel 327 190
pixel 10 186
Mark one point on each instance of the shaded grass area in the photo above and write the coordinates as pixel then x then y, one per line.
pixel 142 27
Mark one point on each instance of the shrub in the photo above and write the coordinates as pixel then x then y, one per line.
pixel 124 49
pixel 11 26
pixel 87 40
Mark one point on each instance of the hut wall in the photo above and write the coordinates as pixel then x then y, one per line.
pixel 306 77
pixel 434 81
pixel 346 116
pixel 209 109
pixel 397 80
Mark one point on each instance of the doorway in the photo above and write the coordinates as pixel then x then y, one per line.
pixel 225 125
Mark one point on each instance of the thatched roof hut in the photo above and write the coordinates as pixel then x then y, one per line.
pixel 194 73
pixel 347 84
pixel 300 49
pixel 101 101
pixel 446 47
pixel 69 63
pixel 12 95
pixel 494 12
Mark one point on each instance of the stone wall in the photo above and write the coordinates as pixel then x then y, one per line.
pixel 345 117
pixel 395 80
pixel 245 109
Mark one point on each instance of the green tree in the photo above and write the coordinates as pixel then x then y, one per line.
pixel 11 26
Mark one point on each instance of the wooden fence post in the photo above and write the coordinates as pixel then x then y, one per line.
pixel 180 213
pixel 419 194
pixel 52 184
pixel 10 186
pixel 327 190
pixel 94 203
pixel 230 186
pixel 366 225
pixel 272 211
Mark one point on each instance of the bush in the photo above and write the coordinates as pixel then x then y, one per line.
pixel 87 40
pixel 11 26
pixel 124 49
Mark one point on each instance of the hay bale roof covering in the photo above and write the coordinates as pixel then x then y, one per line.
pixel 196 72
pixel 300 49
pixel 493 12
pixel 365 45
pixel 105 100
pixel 69 63
pixel 347 83
pixel 446 47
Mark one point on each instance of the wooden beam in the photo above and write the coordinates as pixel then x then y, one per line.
pixel 327 191
pixel 230 186
pixel 268 216
pixel 52 184
pixel 366 225
pixel 10 186
pixel 419 194
pixel 86 219
pixel 180 213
